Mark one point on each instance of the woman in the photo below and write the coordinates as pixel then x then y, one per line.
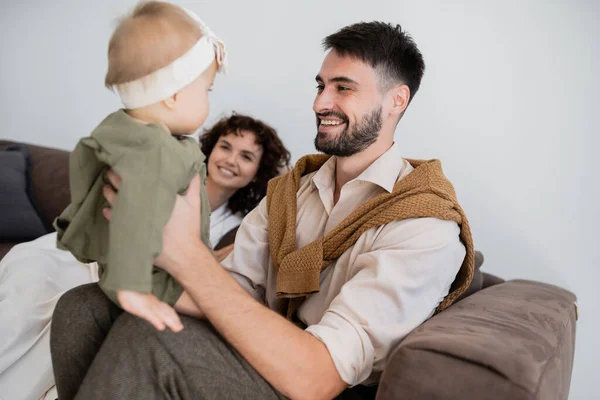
pixel 242 155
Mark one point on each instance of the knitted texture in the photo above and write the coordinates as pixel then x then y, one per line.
pixel 425 192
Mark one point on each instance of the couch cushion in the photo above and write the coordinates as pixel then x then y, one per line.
pixel 490 280
pixel 513 341
pixel 18 218
pixel 50 182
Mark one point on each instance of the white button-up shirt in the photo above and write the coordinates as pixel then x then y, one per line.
pixel 384 286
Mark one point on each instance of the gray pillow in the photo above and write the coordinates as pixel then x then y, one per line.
pixel 18 218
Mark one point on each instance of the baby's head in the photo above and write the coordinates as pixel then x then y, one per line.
pixel 162 61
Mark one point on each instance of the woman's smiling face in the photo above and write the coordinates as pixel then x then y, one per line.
pixel 235 159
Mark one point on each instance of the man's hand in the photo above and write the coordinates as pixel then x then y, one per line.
pixel 150 308
pixel 181 235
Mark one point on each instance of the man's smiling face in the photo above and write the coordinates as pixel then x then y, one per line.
pixel 348 106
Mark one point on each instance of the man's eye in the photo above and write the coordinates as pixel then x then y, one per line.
pixel 320 88
pixel 343 88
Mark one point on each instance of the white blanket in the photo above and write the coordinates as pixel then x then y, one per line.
pixel 33 276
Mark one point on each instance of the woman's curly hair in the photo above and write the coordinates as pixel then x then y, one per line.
pixel 275 157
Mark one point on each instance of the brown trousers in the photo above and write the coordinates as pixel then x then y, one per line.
pixel 100 352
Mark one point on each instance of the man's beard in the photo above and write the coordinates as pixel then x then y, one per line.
pixel 346 144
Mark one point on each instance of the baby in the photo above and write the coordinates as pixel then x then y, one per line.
pixel 162 61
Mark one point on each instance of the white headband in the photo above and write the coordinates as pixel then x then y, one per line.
pixel 167 81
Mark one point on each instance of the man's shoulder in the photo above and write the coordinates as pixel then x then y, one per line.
pixel 417 233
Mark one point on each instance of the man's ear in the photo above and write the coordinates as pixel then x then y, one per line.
pixel 170 101
pixel 400 98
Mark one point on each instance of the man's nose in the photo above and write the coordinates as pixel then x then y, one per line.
pixel 323 102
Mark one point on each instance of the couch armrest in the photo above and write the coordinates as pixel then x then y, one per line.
pixel 513 341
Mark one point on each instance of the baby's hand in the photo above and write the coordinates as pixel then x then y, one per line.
pixel 150 308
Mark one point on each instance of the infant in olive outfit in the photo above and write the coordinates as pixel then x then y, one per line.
pixel 162 63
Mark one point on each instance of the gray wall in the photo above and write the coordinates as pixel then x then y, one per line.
pixel 509 103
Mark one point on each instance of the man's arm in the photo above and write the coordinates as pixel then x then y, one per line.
pixel 400 274
pixel 292 360
pixel 186 306
pixel 395 285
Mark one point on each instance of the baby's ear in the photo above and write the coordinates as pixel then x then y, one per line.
pixel 170 101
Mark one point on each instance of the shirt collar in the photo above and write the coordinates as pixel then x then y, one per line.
pixel 382 172
pixel 325 176
pixel 385 170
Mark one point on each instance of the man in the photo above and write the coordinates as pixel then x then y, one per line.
pixel 360 248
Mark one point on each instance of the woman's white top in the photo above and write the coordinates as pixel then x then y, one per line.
pixel 222 220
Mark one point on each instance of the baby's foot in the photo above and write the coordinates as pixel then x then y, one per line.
pixel 149 307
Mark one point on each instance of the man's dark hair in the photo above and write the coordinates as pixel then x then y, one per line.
pixel 385 47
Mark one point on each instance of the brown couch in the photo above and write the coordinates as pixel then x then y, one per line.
pixel 511 340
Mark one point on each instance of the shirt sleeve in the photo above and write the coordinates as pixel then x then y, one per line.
pixel 249 261
pixel 393 288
